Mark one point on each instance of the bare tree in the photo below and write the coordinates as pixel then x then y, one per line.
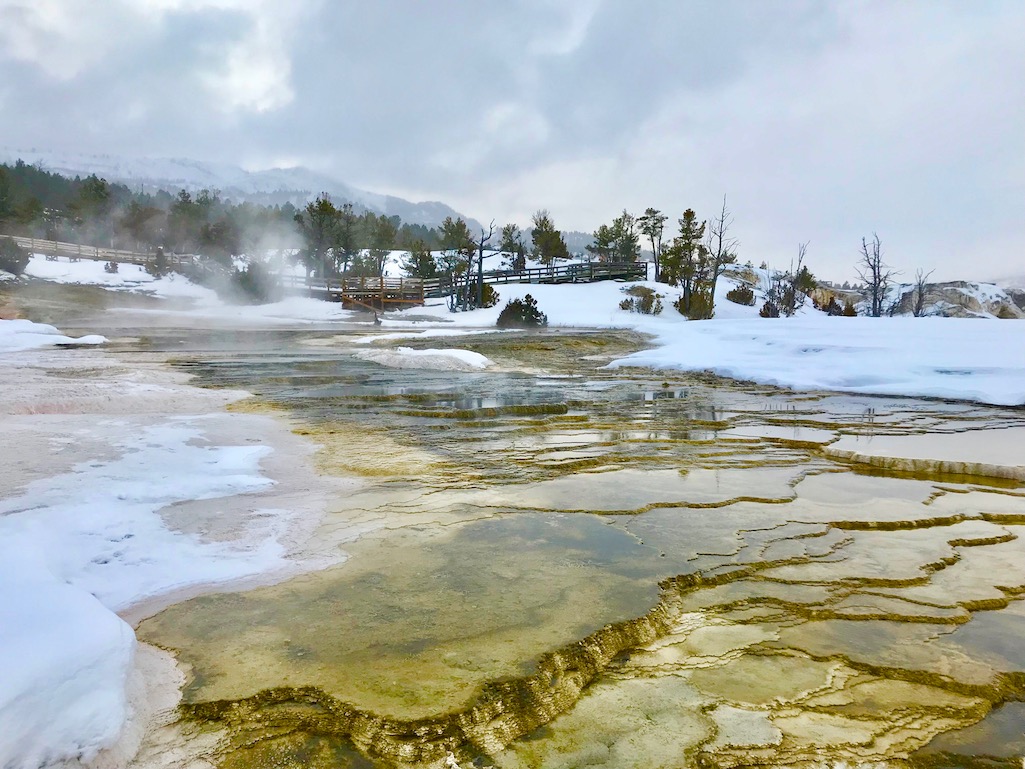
pixel 721 250
pixel 921 292
pixel 470 295
pixel 876 273
pixel 786 292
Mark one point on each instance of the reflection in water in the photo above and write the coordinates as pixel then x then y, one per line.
pixel 616 570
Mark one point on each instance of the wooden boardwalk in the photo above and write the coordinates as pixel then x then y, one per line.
pixel 76 251
pixel 388 293
pixel 367 293
pixel 566 273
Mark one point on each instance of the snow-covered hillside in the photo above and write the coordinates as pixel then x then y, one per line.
pixel 958 299
pixel 276 185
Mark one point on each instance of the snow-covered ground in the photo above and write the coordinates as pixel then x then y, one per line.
pixel 129 277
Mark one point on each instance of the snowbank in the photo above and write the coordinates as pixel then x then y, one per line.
pixel 957 358
pixel 76 548
pixel 17 335
pixel 129 277
pixel 435 360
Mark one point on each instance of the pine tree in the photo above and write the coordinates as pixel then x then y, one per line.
pixel 419 262
pixel 652 225
pixel 683 260
pixel 548 242
pixel 318 223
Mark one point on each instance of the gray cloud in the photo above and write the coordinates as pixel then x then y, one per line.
pixel 822 122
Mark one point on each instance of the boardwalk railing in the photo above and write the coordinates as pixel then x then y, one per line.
pixel 369 292
pixel 95 253
pixel 566 273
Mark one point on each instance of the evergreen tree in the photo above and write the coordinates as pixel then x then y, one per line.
pixel 457 245
pixel 382 242
pixel 626 242
pixel 318 223
pixel 419 262
pixel 548 242
pixel 683 259
pixel 603 245
pixel 652 225
pixel 345 246
pixel 512 246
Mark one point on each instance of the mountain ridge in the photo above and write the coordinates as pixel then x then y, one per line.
pixel 297 185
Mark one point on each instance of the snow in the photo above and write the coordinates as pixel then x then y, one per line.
pixel 18 335
pixel 129 277
pixel 956 358
pixel 435 360
pixel 78 547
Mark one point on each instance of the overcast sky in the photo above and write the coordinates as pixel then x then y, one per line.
pixel 821 122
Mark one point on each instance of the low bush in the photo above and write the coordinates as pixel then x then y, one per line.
pixel 13 258
pixel 489 297
pixel 111 267
pixel 769 310
pixel 741 295
pixel 160 265
pixel 643 300
pixel 522 314
pixel 849 310
pixel 701 305
pixel 254 284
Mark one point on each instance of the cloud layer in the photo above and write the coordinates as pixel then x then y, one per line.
pixel 821 122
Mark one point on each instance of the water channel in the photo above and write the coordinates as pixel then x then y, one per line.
pixel 567 566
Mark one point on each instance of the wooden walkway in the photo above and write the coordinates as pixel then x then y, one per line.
pixel 366 293
pixel 76 251
pixel 566 273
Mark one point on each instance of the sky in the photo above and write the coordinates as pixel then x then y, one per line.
pixel 820 122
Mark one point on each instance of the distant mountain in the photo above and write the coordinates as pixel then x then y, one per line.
pixel 273 186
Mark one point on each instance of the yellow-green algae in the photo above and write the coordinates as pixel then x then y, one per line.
pixel 807 612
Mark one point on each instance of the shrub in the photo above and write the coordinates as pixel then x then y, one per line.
pixel 522 314
pixel 832 307
pixel 13 258
pixel 849 310
pixel 110 267
pixel 254 285
pixel 741 295
pixel 701 305
pixel 769 310
pixel 159 267
pixel 643 300
pixel 489 297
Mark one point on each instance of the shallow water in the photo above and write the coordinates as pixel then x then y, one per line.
pixel 578 567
